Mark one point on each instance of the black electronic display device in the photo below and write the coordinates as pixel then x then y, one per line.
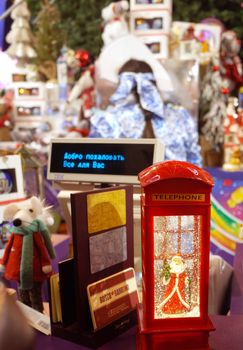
pixel 101 160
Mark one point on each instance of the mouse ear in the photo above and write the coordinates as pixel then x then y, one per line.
pixel 36 205
pixel 9 212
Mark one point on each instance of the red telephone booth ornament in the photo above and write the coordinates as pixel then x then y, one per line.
pixel 175 207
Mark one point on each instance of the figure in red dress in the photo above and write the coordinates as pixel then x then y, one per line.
pixel 174 298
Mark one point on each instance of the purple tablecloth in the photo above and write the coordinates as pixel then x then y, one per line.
pixel 228 336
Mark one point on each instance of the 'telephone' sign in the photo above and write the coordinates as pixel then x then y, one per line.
pixel 183 197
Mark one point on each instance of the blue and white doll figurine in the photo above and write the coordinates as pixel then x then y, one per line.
pixel 136 110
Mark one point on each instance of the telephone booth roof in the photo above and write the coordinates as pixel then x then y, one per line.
pixel 173 169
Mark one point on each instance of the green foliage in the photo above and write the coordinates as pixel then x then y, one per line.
pixel 49 35
pixel 166 270
pixel 81 19
pixel 84 26
pixel 34 7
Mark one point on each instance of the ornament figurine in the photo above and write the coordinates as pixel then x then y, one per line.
pixel 115 23
pixel 175 297
pixel 27 256
pixel 231 65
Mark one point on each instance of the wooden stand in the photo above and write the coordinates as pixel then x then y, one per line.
pixel 76 274
pixel 93 339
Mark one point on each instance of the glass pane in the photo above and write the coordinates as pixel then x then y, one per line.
pixel 172 243
pixel 187 222
pixel 176 266
pixel 187 243
pixel 172 223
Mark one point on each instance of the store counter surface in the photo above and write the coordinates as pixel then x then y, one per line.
pixel 227 336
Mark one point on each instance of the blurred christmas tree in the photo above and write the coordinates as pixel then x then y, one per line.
pixel 80 20
pixel 49 38
pixel 212 113
pixel 84 27
pixel 214 91
pixel 20 36
pixel 166 270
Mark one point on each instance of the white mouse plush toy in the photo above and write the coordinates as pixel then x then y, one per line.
pixel 27 256
pixel 114 16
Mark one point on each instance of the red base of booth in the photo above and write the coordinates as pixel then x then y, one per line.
pixel 190 339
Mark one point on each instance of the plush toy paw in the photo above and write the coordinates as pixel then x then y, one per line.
pixel 47 269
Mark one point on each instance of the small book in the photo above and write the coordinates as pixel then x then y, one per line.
pixel 112 297
pixel 55 298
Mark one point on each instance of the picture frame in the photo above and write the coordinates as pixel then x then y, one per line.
pixel 28 111
pixel 11 181
pixel 28 90
pixel 196 40
pixel 150 22
pixel 151 5
pixel 11 178
pixel 158 45
pixel 17 77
